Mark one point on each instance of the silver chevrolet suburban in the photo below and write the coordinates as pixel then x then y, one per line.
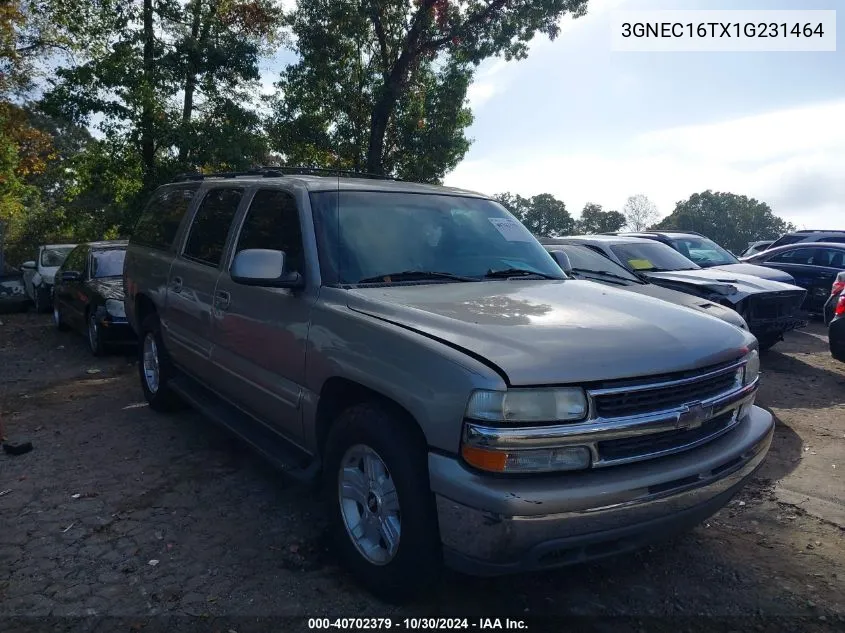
pixel 463 401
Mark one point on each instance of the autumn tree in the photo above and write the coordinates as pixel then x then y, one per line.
pixel 543 214
pixel 594 220
pixel 729 219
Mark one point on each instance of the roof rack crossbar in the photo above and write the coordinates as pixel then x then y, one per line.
pixel 821 231
pixel 276 172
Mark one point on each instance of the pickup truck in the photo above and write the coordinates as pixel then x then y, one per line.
pixel 415 350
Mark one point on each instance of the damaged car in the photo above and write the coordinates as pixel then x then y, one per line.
pixel 581 262
pixel 39 274
pixel 770 308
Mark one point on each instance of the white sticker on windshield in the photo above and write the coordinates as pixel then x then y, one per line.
pixel 511 230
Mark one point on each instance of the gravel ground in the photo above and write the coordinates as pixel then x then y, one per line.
pixel 149 519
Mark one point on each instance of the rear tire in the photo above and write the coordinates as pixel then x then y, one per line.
pixel 57 319
pixel 384 525
pixel 155 368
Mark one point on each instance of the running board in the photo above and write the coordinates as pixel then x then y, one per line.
pixel 276 449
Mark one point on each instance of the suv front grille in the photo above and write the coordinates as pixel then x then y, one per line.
pixel 636 448
pixel 617 405
pixel 775 306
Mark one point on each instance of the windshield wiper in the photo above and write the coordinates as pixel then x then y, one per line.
pixel 506 273
pixel 414 275
pixel 604 273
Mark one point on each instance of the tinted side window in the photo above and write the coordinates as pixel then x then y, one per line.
pixel 795 256
pixel 160 220
pixel 75 262
pixel 273 222
pixel 835 240
pixel 833 258
pixel 210 227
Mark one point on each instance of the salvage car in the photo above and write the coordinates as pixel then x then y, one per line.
pixel 707 254
pixel 814 266
pixel 581 262
pixel 836 330
pixel 39 274
pixel 416 348
pixel 769 307
pixel 836 291
pixel 755 247
pixel 89 295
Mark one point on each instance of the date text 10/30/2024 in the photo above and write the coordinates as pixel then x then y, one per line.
pixel 363 624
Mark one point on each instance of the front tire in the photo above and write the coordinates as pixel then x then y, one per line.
pixel 154 367
pixel 95 336
pixel 57 319
pixel 383 518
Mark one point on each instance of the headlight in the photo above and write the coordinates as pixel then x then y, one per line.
pixel 752 367
pixel 115 308
pixel 528 405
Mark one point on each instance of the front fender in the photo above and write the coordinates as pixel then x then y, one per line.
pixel 430 379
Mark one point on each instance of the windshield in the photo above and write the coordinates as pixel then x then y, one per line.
pixel 585 260
pixel 107 263
pixel 651 256
pixel 703 252
pixel 54 256
pixel 367 234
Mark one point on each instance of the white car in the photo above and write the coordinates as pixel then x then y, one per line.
pixel 39 274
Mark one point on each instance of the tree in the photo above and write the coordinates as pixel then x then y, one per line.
pixel 728 219
pixel 594 220
pixel 543 214
pixel 640 213
pixel 323 110
pixel 381 46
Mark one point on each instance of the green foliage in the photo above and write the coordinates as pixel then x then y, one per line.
pixel 543 214
pixel 729 219
pixel 593 220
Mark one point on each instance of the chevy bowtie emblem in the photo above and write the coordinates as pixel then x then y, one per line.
pixel 693 417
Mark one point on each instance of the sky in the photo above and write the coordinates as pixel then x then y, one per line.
pixel 587 124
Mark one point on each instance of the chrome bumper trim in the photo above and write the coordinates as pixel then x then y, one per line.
pixel 598 429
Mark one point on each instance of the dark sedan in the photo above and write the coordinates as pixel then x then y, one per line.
pixel 769 307
pixel 583 263
pixel 89 295
pixel 814 266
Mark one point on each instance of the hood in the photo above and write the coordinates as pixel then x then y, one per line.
pixel 757 271
pixel 691 301
pixel 108 287
pixel 718 283
pixel 557 332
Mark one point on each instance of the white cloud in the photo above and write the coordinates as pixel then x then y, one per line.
pixel 793 159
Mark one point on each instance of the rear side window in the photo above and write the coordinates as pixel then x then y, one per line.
pixel 75 262
pixel 787 239
pixel 795 256
pixel 835 240
pixel 160 220
pixel 207 235
pixel 273 222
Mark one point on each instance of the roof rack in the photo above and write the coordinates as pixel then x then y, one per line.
pixel 820 231
pixel 276 172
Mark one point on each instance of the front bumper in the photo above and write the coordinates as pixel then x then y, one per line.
pixel 494 525
pixel 115 329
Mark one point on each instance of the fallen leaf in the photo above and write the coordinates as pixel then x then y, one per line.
pixel 153 563
pixel 94 371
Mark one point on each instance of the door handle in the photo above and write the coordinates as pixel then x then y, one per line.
pixel 176 284
pixel 222 299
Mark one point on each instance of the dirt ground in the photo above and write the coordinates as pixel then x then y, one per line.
pixel 119 512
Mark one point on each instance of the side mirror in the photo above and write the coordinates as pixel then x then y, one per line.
pixel 264 267
pixel 71 275
pixel 562 260
pixel 30 265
